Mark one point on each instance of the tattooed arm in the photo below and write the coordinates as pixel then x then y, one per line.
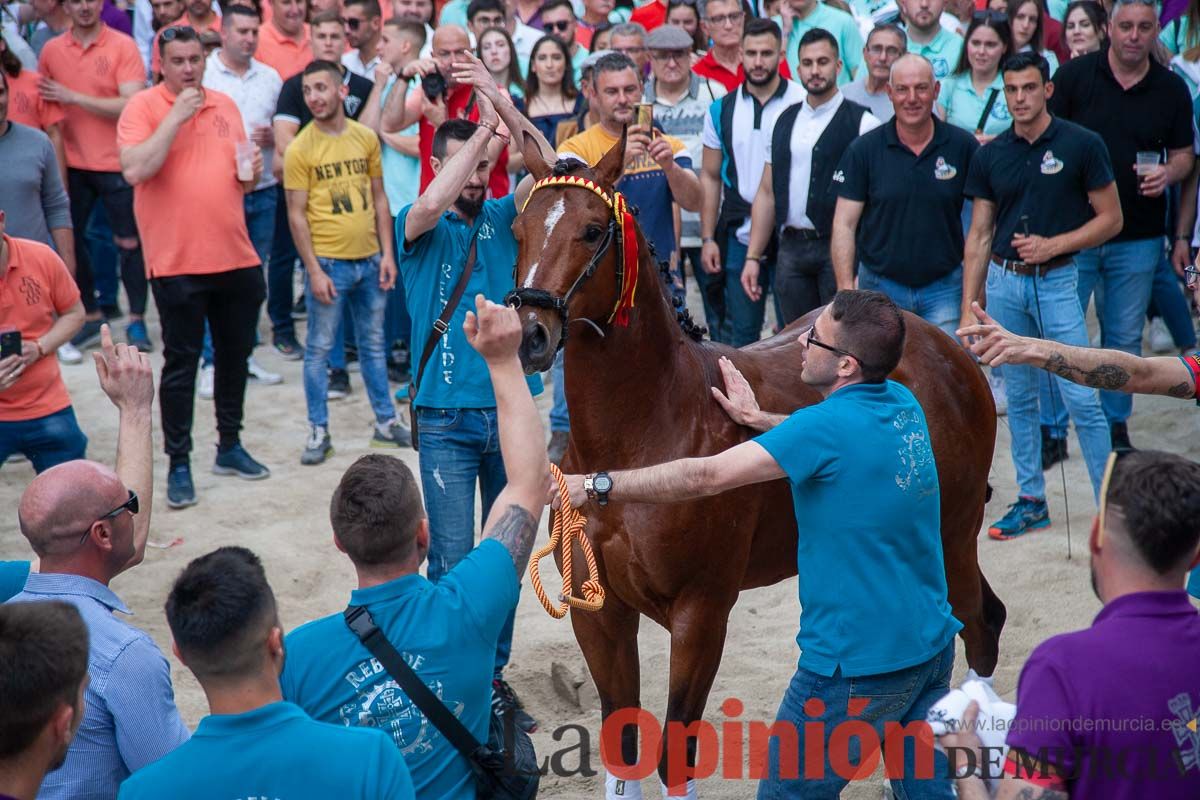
pixel 495 331
pixel 1100 369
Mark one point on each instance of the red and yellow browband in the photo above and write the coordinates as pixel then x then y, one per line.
pixel 627 268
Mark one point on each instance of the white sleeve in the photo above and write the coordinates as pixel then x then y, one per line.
pixel 869 122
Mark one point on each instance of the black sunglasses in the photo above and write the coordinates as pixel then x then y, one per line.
pixel 130 505
pixel 810 334
pixel 993 16
pixel 560 26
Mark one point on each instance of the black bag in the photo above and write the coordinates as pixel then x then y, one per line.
pixel 440 326
pixel 505 767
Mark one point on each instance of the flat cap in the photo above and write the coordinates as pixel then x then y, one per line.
pixel 669 37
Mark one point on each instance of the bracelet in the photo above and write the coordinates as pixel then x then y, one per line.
pixel 38 344
pixel 1183 237
pixel 755 259
pixel 488 127
pixel 707 239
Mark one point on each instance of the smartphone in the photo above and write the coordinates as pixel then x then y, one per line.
pixel 645 117
pixel 10 343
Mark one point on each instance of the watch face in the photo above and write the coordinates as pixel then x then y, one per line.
pixel 602 484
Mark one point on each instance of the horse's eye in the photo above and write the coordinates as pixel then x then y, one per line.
pixel 592 234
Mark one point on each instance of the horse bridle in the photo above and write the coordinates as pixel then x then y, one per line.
pixel 619 230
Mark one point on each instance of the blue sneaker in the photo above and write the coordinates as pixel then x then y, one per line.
pixel 136 336
pixel 1025 515
pixel 236 461
pixel 180 491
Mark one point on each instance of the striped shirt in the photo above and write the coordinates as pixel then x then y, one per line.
pixel 131 719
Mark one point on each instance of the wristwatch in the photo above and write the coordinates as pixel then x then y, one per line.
pixel 597 486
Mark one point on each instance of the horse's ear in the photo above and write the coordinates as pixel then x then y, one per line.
pixel 535 162
pixel 609 170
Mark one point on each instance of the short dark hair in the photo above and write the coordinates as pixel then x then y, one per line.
pixel 762 27
pixel 815 35
pixel 415 30
pixel 613 62
pixel 178 33
pixel 376 507
pixel 872 328
pixel 43 659
pixel 220 611
pixel 893 28
pixel 370 7
pixel 239 10
pixel 550 5
pixel 1158 497
pixel 322 66
pixel 1022 61
pixel 325 18
pixel 9 63
pixel 476 6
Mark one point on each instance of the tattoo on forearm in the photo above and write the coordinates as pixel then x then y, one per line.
pixel 1105 376
pixel 1182 390
pixel 1039 793
pixel 516 530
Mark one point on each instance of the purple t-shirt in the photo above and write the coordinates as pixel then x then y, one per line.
pixel 1115 706
pixel 115 18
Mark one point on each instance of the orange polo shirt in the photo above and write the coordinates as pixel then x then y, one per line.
pixel 156 59
pixel 25 103
pixel 287 56
pixel 98 70
pixel 35 290
pixel 190 215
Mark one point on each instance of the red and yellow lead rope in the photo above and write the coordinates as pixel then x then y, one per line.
pixel 565 530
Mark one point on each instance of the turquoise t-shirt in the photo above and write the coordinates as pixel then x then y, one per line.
pixel 841 25
pixel 867 501
pixel 1193 584
pixel 12 578
pixel 457 376
pixel 1174 35
pixel 1057 9
pixel 447 632
pixel 274 751
pixel 942 52
pixel 454 13
pixel 964 106
pixel 401 172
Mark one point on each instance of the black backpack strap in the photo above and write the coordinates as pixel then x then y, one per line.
pixel 442 323
pixel 360 622
pixel 987 109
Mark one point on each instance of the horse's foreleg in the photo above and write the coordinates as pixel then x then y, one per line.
pixel 698 629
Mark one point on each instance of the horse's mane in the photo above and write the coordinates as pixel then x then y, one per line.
pixel 695 331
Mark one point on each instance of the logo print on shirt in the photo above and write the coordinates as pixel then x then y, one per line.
pixel 32 291
pixel 839 176
pixel 351 104
pixel 941 67
pixel 1050 164
pixel 103 65
pixel 1187 732
pixel 943 171
pixel 23 103
pixel 917 469
pixel 385 706
pixel 222 126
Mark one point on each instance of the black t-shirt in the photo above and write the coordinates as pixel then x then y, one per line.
pixel 1047 181
pixel 291 104
pixel 911 227
pixel 1154 114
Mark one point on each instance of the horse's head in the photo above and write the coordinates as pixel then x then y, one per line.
pixel 569 265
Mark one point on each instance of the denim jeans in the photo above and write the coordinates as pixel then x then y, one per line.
pixel 259 207
pixel 46 441
pixel 280 270
pixel 1046 307
pixel 938 302
pixel 742 320
pixel 357 285
pixel 899 697
pixel 560 419
pixel 103 254
pixel 459 447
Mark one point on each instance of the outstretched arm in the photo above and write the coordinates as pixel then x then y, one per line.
pixel 1099 369
pixel 739 401
pixel 446 185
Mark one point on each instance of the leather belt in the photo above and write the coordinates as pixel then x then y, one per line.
pixel 804 234
pixel 1022 268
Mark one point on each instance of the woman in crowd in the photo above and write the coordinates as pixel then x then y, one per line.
pixel 683 14
pixel 602 37
pixel 1028 21
pixel 1085 27
pixel 1180 34
pixel 495 49
pixel 972 97
pixel 550 93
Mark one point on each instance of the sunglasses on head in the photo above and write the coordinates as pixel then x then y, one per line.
pixel 185 32
pixel 130 505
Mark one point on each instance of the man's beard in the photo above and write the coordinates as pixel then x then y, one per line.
pixel 763 82
pixel 470 206
pixel 820 88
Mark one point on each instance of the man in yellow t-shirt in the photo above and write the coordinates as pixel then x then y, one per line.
pixel 341 224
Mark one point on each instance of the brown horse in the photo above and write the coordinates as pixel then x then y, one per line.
pixel 640 395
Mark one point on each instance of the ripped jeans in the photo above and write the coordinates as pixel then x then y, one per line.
pixel 459 447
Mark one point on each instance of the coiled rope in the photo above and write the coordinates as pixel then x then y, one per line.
pixel 566 529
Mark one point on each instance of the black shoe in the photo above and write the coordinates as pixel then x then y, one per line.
pixel 112 312
pixel 339 384
pixel 398 373
pixel 288 348
pixel 88 335
pixel 505 701
pixel 1120 436
pixel 181 493
pixel 1054 450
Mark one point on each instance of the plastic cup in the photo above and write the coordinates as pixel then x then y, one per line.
pixel 245 161
pixel 1146 162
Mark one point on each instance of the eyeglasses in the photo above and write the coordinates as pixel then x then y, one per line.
pixel 808 336
pixel 679 56
pixel 184 32
pixel 561 26
pixel 130 505
pixel 880 50
pixel 726 19
pixel 992 16
pixel 1191 275
pixel 1109 467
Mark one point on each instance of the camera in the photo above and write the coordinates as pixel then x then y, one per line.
pixel 433 84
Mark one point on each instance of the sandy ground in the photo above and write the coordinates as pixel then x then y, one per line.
pixel 285 521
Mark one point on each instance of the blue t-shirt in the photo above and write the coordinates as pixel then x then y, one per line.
pixel 12 578
pixel 457 376
pixel 274 751
pixel 447 632
pixel 865 488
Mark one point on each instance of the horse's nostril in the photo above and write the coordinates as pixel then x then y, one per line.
pixel 538 340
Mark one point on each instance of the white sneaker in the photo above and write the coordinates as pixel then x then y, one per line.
pixel 205 387
pixel 263 376
pixel 1160 338
pixel 996 381
pixel 69 354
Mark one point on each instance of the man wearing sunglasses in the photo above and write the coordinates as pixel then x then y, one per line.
pixel 558 20
pixel 833 454
pixel 88 523
pixel 364 29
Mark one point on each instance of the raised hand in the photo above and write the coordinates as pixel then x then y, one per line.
pixel 125 374
pixel 493 330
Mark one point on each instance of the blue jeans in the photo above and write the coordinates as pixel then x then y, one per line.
pixel 938 302
pixel 742 320
pixel 260 222
pixel 560 419
pixel 1017 302
pixel 104 257
pixel 46 441
pixel 459 447
pixel 899 697
pixel 357 285
pixel 1168 300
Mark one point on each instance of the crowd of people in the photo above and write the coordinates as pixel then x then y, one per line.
pixel 209 157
